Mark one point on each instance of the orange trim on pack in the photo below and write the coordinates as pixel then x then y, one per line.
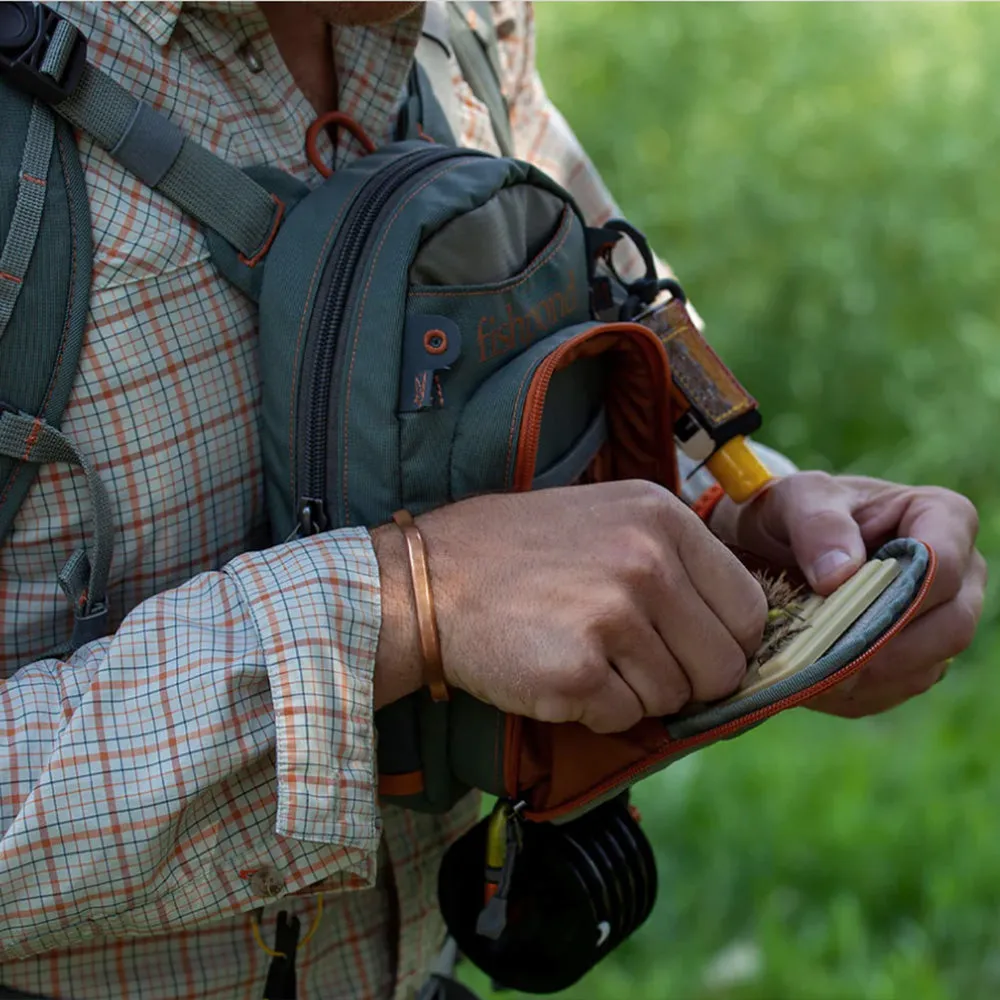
pixel 705 505
pixel 410 783
pixel 278 216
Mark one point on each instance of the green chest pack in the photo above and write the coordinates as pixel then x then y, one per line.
pixel 435 323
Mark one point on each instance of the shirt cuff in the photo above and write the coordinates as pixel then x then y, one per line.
pixel 317 609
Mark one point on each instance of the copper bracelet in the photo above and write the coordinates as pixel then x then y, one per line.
pixel 423 599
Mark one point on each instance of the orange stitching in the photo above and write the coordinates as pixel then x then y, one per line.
pixel 19 469
pixel 10 277
pixel 361 315
pixel 36 429
pixel 34 180
pixel 544 256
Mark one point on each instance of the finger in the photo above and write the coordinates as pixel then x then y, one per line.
pixel 711 657
pixel 614 708
pixel 815 515
pixel 913 661
pixel 722 586
pixel 940 634
pixel 861 701
pixel 948 523
pixel 649 668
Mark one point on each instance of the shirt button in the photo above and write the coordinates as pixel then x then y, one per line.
pixel 250 58
pixel 267 883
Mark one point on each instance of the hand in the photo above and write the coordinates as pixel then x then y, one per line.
pixel 827 526
pixel 599 604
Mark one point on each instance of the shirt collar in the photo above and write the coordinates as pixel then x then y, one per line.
pixel 158 19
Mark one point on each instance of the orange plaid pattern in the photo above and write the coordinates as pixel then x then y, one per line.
pixel 214 756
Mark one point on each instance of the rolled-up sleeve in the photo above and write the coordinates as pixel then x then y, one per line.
pixel 216 753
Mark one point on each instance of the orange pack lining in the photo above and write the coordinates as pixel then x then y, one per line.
pixel 556 761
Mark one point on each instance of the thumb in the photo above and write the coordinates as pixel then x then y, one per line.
pixel 815 514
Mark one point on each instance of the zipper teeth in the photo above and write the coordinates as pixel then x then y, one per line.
pixel 368 204
pixel 692 742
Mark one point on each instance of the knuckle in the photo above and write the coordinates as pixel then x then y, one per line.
pixel 958 502
pixel 965 620
pixel 657 503
pixel 639 555
pixel 812 482
pixel 969 512
pixel 616 720
pixel 581 679
pixel 750 617
pixel 949 577
pixel 724 678
pixel 673 698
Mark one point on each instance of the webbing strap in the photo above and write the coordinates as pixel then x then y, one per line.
pixel 149 145
pixel 473 38
pixel 431 76
pixel 60 48
pixel 84 578
pixel 20 243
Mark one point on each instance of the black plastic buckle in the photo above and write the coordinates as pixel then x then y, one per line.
pixel 26 32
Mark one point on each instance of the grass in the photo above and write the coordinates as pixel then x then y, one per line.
pixel 823 179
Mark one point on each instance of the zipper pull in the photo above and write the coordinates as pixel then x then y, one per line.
pixel 312 517
pixel 281 978
pixel 503 842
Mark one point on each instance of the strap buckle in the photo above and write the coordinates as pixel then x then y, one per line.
pixel 41 53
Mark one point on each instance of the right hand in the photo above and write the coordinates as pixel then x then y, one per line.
pixel 597 604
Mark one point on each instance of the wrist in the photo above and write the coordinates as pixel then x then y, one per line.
pixel 398 664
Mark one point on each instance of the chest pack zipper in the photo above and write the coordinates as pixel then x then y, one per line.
pixel 360 223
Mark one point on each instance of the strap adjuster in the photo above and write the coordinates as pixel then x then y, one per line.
pixel 41 53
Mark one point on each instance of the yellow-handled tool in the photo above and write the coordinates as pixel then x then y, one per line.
pixel 713 412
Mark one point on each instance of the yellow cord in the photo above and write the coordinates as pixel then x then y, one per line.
pixel 315 924
pixel 259 938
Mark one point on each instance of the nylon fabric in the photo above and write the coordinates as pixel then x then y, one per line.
pixel 32 440
pixel 436 102
pixel 511 229
pixel 23 234
pixel 214 192
pixel 149 146
pixel 44 330
pixel 58 52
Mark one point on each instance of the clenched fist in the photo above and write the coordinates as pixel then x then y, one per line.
pixel 598 604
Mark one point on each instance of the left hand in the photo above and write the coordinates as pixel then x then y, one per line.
pixel 827 525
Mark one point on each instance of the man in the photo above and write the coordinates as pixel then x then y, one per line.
pixel 166 813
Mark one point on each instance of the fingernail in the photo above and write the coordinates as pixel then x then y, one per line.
pixel 828 564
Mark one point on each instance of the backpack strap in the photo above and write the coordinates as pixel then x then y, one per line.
pixel 84 578
pixel 26 222
pixel 45 56
pixel 464 29
pixel 431 106
pixel 45 267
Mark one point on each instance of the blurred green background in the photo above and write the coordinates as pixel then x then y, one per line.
pixel 824 179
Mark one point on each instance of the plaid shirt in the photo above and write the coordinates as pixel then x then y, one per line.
pixel 214 756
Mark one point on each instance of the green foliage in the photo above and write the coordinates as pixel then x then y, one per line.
pixel 822 179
